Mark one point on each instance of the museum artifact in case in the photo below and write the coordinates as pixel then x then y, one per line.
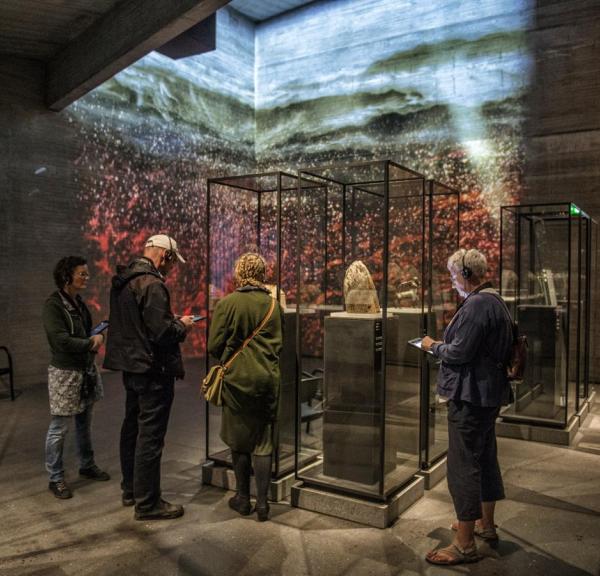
pixel 373 246
pixel 256 213
pixel 545 280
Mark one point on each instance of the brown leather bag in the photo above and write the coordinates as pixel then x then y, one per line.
pixel 517 362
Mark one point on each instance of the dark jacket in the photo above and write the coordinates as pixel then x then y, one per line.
pixel 68 323
pixel 475 352
pixel 251 390
pixel 143 334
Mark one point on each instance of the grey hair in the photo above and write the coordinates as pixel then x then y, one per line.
pixel 472 259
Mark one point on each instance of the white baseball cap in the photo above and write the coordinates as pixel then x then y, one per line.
pixel 166 242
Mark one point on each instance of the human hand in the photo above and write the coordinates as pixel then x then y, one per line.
pixel 97 341
pixel 427 343
pixel 187 321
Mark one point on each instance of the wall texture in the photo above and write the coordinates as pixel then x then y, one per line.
pixel 39 211
pixel 562 154
pixel 497 97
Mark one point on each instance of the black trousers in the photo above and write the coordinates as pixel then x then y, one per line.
pixel 473 471
pixel 147 409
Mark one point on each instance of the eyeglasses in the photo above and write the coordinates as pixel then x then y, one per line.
pixel 82 275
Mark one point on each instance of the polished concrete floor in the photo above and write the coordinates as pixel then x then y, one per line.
pixel 549 524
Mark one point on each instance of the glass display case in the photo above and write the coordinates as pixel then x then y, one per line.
pixel 545 279
pixel 256 213
pixel 371 277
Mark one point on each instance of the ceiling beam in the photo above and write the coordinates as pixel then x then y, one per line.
pixel 116 40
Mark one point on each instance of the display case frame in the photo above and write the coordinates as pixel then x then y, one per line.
pixel 545 271
pixel 260 209
pixel 393 184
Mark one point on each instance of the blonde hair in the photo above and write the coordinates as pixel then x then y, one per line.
pixel 250 270
pixel 472 259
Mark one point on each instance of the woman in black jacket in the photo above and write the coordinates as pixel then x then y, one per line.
pixel 73 381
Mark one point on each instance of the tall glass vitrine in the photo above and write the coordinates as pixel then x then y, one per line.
pixel 374 387
pixel 545 280
pixel 256 213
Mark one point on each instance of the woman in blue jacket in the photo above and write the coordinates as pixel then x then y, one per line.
pixel 473 380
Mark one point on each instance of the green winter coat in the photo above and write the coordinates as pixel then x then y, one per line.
pixel 251 385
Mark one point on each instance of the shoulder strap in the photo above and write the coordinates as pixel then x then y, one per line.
pixel 256 331
pixel 509 315
pixel 500 299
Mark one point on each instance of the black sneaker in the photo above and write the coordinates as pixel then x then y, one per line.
pixel 162 511
pixel 240 504
pixel 127 499
pixel 262 512
pixel 94 473
pixel 60 489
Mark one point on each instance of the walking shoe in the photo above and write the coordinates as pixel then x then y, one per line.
pixel 60 489
pixel 127 499
pixel 240 504
pixel 162 511
pixel 94 473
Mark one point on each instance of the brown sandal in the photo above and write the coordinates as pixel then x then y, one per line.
pixel 487 534
pixel 454 555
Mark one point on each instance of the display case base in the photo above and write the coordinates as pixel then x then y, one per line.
pixel 435 474
pixel 377 514
pixel 224 477
pixel 536 433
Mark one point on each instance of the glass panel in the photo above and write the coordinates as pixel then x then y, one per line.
pixel 288 285
pixel 319 294
pixel 233 230
pixel 584 311
pixel 442 306
pixel 574 296
pixel 404 322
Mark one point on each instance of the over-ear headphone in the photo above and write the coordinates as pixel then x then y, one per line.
pixel 466 272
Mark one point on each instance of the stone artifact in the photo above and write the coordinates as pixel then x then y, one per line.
pixel 360 295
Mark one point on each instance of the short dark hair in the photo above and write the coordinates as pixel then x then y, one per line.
pixel 63 271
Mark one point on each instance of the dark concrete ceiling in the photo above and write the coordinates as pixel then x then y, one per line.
pixel 82 43
pixel 39 29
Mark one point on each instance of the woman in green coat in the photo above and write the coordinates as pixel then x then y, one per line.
pixel 251 384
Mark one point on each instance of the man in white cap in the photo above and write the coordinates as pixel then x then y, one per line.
pixel 143 341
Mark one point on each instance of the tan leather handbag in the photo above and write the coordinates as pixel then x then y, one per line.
pixel 212 385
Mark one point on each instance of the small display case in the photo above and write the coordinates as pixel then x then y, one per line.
pixel 373 244
pixel 256 213
pixel 545 280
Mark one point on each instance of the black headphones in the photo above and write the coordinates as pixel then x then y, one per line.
pixel 466 272
pixel 170 254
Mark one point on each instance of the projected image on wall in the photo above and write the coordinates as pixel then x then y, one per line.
pixel 438 87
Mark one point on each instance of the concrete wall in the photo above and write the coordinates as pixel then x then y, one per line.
pixel 37 220
pixel 43 183
pixel 562 153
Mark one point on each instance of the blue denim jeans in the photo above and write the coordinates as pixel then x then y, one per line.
pixel 55 441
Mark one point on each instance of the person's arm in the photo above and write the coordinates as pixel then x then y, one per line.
pixel 468 334
pixel 58 330
pixel 162 326
pixel 218 333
